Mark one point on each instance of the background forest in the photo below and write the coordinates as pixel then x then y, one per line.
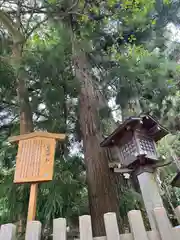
pixel 81 67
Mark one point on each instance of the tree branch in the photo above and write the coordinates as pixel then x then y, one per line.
pixel 31 16
pixel 35 27
pixel 73 5
pixel 11 27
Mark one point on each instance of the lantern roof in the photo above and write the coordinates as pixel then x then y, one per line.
pixel 152 127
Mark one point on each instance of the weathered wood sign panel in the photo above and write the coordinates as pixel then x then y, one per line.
pixel 35 160
pixel 35 157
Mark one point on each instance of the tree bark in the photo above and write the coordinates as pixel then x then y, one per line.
pixel 101 186
pixel 25 112
pixel 26 122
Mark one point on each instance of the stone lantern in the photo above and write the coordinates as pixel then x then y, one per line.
pixel 135 145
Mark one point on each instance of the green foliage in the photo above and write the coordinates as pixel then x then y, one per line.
pixel 7 74
pixel 66 195
pixel 52 88
pixel 129 201
pixel 142 74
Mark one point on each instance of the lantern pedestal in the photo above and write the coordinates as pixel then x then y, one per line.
pixel 151 196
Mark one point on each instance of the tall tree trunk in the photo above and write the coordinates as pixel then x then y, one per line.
pixel 101 186
pixel 26 122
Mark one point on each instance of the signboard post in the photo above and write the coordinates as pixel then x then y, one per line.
pixel 35 162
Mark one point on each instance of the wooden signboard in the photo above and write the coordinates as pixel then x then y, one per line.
pixel 35 158
pixel 35 161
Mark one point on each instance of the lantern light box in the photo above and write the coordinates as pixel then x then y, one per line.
pixel 135 140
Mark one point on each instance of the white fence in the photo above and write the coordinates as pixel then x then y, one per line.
pixel 164 231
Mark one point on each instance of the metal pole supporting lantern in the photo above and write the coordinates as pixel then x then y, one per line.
pixel 135 143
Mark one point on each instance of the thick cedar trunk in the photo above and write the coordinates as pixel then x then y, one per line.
pixel 26 123
pixel 14 28
pixel 101 186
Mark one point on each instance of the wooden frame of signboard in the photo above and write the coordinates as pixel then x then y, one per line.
pixel 35 162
